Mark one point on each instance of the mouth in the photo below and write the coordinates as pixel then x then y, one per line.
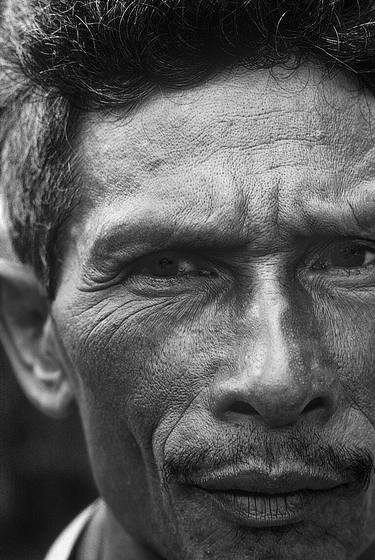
pixel 259 498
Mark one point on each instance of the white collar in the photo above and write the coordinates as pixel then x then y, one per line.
pixel 64 545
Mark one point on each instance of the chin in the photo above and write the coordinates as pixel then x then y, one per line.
pixel 279 543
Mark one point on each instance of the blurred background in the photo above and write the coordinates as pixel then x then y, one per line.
pixel 44 475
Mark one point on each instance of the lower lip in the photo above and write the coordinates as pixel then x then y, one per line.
pixel 268 510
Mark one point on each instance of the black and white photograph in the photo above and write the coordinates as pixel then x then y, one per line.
pixel 187 279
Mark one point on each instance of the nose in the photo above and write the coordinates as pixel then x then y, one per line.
pixel 281 376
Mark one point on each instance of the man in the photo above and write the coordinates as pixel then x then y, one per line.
pixel 190 191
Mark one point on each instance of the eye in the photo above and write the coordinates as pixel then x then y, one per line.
pixel 171 266
pixel 345 256
pixel 163 267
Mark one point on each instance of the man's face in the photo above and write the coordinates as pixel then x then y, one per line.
pixel 217 303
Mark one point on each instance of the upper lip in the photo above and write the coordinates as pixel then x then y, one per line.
pixel 264 481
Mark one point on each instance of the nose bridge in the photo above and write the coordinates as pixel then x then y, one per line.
pixel 279 376
pixel 284 345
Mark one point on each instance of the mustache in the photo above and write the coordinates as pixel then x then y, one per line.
pixel 187 462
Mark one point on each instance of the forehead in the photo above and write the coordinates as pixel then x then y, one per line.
pixel 260 140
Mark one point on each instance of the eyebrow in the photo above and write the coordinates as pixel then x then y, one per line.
pixel 350 216
pixel 130 234
pixel 128 237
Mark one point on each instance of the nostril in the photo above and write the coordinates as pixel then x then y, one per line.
pixel 315 404
pixel 242 407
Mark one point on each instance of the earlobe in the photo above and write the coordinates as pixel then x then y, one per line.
pixel 28 338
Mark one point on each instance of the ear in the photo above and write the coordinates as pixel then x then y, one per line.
pixel 28 337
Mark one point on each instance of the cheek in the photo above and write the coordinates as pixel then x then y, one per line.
pixel 147 358
pixel 139 366
pixel 348 324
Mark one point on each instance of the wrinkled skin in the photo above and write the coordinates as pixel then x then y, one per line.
pixel 254 184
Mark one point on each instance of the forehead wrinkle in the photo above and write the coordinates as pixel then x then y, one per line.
pixel 221 132
pixel 130 166
pixel 130 169
pixel 168 145
pixel 260 100
pixel 178 118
